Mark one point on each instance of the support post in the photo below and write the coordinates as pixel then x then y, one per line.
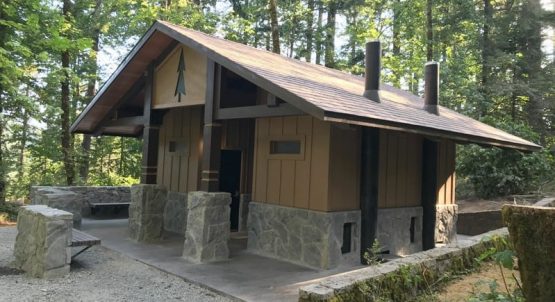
pixel 369 162
pixel 429 193
pixel 151 133
pixel 212 134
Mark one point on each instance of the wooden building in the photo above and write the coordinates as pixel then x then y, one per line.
pixel 327 161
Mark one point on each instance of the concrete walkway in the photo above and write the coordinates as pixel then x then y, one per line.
pixel 245 276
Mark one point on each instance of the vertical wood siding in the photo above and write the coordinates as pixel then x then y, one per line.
pixel 446 172
pixel 324 178
pixel 239 135
pixel 180 171
pixel 400 170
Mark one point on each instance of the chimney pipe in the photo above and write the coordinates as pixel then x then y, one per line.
pixel 431 87
pixel 372 70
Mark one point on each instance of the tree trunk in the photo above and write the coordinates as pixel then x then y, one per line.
pixel 330 35
pixel 429 31
pixel 486 54
pixel 309 30
pixel 396 40
pixel 91 86
pixel 274 26
pixel 3 172
pixel 65 106
pixel 319 33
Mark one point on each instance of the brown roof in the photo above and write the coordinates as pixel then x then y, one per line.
pixel 326 93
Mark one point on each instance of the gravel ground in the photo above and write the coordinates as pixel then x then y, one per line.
pixel 98 274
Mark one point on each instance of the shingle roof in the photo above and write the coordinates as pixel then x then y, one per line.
pixel 337 96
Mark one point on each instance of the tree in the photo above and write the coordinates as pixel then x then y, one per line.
pixel 272 7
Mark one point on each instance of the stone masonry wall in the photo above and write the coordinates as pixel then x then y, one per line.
pixel 446 222
pixel 42 247
pixel 175 213
pixel 146 212
pixel 207 234
pixel 76 199
pixel 302 236
pixel 394 230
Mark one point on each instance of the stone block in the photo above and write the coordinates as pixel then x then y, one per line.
pixel 207 231
pixel 301 236
pixel 394 230
pixel 175 213
pixel 42 248
pixel 532 230
pixel 146 212
pixel 446 222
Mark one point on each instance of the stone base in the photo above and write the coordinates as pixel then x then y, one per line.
pixel 400 230
pixel 175 213
pixel 146 212
pixel 42 246
pixel 207 233
pixel 305 237
pixel 59 198
pixel 446 222
pixel 245 199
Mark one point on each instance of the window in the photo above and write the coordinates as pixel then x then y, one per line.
pixel 346 246
pixel 285 147
pixel 177 146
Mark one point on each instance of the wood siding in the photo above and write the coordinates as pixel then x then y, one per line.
pixel 304 180
pixel 446 172
pixel 179 171
pixel 165 80
pixel 400 170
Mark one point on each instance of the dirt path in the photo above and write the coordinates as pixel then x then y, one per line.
pixel 462 289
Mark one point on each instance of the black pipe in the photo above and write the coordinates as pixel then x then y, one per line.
pixel 372 69
pixel 431 87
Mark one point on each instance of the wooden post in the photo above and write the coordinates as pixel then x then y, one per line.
pixel 212 134
pixel 369 162
pixel 429 192
pixel 151 131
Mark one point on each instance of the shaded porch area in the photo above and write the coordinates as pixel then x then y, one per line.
pixel 244 275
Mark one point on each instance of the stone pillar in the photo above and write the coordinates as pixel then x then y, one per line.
pixel 532 230
pixel 175 213
pixel 446 222
pixel 61 198
pixel 146 212
pixel 42 246
pixel 244 201
pixel 207 234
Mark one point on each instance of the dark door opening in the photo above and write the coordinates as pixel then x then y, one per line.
pixel 230 181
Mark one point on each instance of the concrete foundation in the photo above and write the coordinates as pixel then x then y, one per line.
pixel 400 230
pixel 305 237
pixel 42 247
pixel 207 233
pixel 175 213
pixel 446 222
pixel 146 212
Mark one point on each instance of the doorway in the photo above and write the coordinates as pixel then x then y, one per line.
pixel 230 181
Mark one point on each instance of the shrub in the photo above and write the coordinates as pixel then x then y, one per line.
pixel 498 172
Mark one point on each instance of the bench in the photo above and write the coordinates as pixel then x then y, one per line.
pixel 95 205
pixel 81 239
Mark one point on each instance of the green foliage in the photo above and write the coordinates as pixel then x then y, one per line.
pixel 372 255
pixel 499 172
pixel 9 210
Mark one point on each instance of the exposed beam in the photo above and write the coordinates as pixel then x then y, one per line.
pixel 126 121
pixel 256 111
pixel 151 132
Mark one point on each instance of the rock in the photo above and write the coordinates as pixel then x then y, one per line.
pixel 42 248
pixel 446 222
pixel 207 231
pixel 175 213
pixel 532 231
pixel 146 212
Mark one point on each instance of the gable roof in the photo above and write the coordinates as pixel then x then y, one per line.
pixel 322 92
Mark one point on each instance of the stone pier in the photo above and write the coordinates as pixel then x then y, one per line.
pixel 42 247
pixel 446 222
pixel 146 212
pixel 207 233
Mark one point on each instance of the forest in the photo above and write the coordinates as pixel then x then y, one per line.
pixel 493 68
